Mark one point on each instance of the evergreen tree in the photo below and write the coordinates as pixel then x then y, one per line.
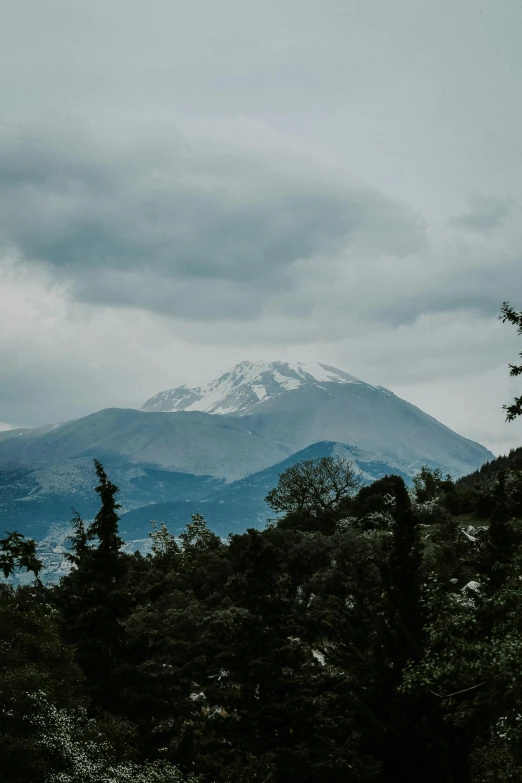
pixel 78 540
pixel 92 597
pixel 105 524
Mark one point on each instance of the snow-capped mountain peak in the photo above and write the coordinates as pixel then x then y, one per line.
pixel 246 385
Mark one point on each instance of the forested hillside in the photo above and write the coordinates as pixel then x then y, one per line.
pixel 370 633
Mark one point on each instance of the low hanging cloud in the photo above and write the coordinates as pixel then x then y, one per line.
pixel 182 229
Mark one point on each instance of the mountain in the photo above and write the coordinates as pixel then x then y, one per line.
pixel 297 404
pixel 247 384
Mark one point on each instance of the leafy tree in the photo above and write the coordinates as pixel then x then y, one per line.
pixel 18 552
pixel 33 658
pixel 471 664
pixel 377 498
pixel 163 542
pixel 509 314
pixel 197 537
pixel 166 661
pixel 408 736
pixel 311 493
pixel 286 699
pixel 404 569
pixel 83 752
pixel 78 540
pixel 430 484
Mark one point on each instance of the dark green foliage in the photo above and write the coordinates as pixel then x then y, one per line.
pixel 358 638
pixel 511 315
pixel 105 525
pixel 78 541
pixel 93 599
pixel 403 572
pixel 18 552
pixel 377 498
pixel 33 660
pixel 505 463
pixel 430 484
pixel 476 494
pixel 411 741
pixel 500 542
pixel 314 488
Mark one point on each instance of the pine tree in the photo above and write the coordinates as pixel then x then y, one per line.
pixel 92 597
pixel 78 540
pixel 105 525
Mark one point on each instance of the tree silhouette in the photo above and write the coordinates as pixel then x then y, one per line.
pixel 509 314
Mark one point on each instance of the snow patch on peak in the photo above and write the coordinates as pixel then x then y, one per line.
pixel 245 385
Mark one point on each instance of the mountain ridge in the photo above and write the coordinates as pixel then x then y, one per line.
pixel 240 389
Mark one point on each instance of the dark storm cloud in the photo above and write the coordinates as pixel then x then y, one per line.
pixel 145 226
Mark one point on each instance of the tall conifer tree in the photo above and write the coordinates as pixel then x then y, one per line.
pixel 92 596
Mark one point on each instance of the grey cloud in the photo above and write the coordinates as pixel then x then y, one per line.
pixel 118 223
pixel 484 215
pixel 479 291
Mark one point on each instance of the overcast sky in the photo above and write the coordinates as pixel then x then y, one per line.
pixel 187 184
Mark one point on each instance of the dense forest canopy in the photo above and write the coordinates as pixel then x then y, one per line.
pixel 368 633
pixel 373 633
